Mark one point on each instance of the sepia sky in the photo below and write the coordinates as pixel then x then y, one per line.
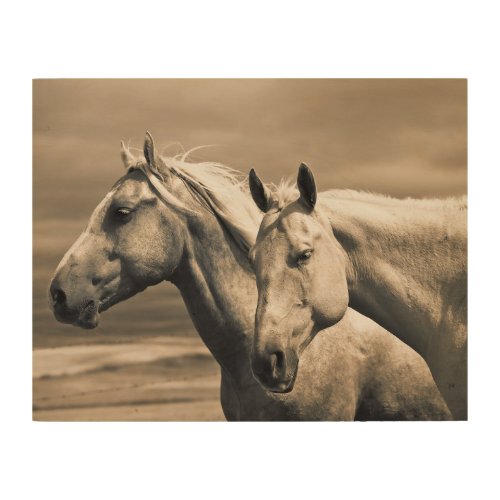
pixel 397 137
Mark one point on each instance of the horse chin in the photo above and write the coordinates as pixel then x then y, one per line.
pixel 285 386
pixel 89 316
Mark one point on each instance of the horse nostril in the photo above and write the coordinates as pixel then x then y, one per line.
pixel 280 359
pixel 58 296
pixel 277 363
pixel 96 281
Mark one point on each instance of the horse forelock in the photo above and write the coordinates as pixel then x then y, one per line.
pixel 284 193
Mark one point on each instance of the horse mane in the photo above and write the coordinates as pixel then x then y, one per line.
pixel 218 188
pixel 453 202
pixel 286 192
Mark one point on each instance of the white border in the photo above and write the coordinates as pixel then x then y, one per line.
pixel 258 39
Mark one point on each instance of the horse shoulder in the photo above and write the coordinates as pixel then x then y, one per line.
pixel 397 382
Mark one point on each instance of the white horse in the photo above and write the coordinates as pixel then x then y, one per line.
pixel 402 263
pixel 192 224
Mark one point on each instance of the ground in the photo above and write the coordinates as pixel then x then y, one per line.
pixel 160 378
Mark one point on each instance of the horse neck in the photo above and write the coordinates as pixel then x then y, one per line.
pixel 219 291
pixel 406 263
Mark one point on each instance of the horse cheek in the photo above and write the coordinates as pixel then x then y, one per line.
pixel 331 299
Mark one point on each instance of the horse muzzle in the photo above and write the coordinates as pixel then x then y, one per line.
pixel 275 370
pixel 77 311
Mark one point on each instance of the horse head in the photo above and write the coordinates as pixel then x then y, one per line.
pixel 300 278
pixel 131 242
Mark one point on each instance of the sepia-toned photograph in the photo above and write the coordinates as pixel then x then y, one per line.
pixel 249 250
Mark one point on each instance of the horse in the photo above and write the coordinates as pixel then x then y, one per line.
pixel 193 224
pixel 402 263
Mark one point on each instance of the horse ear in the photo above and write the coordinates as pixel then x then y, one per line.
pixel 307 186
pixel 127 157
pixel 260 193
pixel 149 149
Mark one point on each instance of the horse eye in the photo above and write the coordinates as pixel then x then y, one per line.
pixel 123 212
pixel 304 256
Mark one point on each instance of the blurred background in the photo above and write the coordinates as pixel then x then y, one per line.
pixel 145 361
